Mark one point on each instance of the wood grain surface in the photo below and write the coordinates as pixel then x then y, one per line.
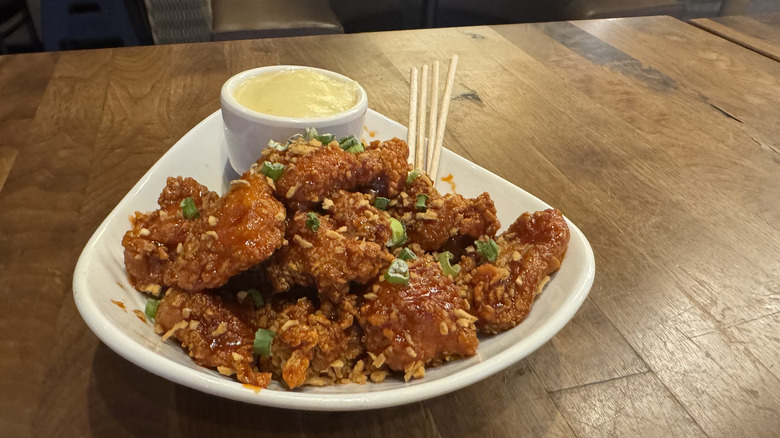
pixel 760 33
pixel 660 140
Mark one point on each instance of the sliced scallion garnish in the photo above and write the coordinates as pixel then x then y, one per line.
pixel 312 221
pixel 188 209
pixel 488 250
pixel 446 267
pixel 356 149
pixel 325 138
pixel 398 233
pixel 412 176
pixel 347 142
pixel 407 254
pixel 398 273
pixel 262 344
pixel 309 133
pixel 381 203
pixel 272 170
pixel 151 308
pixel 422 202
pixel 278 146
pixel 256 297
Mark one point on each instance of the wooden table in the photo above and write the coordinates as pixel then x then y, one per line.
pixel 660 140
pixel 756 32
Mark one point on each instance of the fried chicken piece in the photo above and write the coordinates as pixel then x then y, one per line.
pixel 245 228
pixel 216 333
pixel 383 167
pixel 330 257
pixel 445 217
pixel 313 171
pixel 231 234
pixel 425 322
pixel 529 251
pixel 150 246
pixel 354 211
pixel 310 346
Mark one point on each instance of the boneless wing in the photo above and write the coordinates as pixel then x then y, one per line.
pixel 313 171
pixel 359 218
pixel 444 217
pixel 311 346
pixel 216 333
pixel 408 327
pixel 151 245
pixel 229 235
pixel 529 251
pixel 329 258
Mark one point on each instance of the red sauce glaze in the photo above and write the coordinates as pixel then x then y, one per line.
pixel 119 304
pixel 448 179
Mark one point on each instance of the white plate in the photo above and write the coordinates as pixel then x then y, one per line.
pixel 100 278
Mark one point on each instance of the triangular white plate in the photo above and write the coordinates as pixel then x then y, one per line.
pixel 100 282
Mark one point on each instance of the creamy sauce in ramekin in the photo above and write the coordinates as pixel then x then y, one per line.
pixel 298 93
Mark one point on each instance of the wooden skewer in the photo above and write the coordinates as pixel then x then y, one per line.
pixel 445 108
pixel 426 155
pixel 411 135
pixel 423 104
pixel 433 114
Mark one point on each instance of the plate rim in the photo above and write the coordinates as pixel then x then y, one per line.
pixel 130 349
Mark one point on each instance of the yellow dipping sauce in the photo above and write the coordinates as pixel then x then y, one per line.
pixel 297 93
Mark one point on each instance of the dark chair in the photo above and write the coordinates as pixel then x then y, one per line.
pixel 13 16
pixel 89 24
pixel 249 19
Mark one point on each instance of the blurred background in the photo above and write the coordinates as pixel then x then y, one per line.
pixel 37 25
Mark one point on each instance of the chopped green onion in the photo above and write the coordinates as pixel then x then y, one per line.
pixel 356 149
pixel 407 254
pixel 256 297
pixel 348 142
pixel 309 133
pixel 398 230
pixel 151 308
pixel 188 209
pixel 488 250
pixel 446 267
pixel 312 221
pixel 325 138
pixel 312 134
pixel 398 273
pixel 278 146
pixel 381 203
pixel 262 344
pixel 272 170
pixel 412 176
pixel 422 201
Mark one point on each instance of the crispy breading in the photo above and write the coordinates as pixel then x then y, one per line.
pixel 231 234
pixel 216 333
pixel 313 171
pixel 151 244
pixel 359 217
pixel 529 251
pixel 383 167
pixel 329 258
pixel 308 342
pixel 444 217
pixel 423 322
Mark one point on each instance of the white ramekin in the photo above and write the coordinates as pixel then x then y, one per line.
pixel 247 132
